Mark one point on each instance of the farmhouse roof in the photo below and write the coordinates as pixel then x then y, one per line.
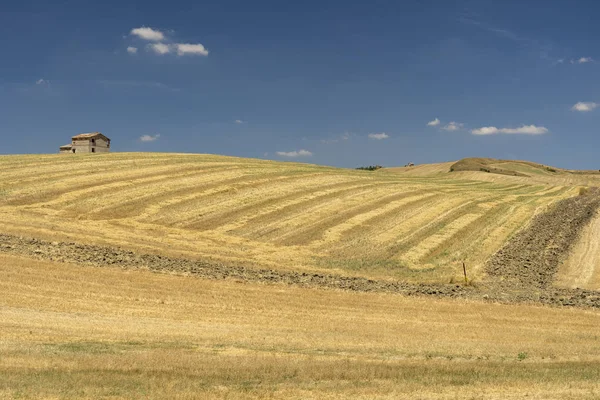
pixel 91 135
pixel 66 146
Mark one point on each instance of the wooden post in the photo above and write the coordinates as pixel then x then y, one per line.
pixel 465 272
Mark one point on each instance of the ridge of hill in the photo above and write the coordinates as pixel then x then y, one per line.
pixel 496 170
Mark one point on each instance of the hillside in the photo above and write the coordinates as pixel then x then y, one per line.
pixel 248 212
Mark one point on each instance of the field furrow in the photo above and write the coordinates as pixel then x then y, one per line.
pixel 265 213
pixel 258 205
pixel 311 232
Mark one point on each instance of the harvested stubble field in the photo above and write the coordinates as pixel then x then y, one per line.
pixel 82 317
pixel 88 333
pixel 387 224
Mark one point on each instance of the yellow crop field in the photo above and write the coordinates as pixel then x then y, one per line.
pixel 73 332
pixel 416 225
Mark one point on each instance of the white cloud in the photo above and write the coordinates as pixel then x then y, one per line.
pixel 486 130
pixel 584 106
pixel 453 126
pixel 435 122
pixel 149 138
pixel 238 121
pixel 294 154
pixel 132 50
pixel 41 82
pixel 160 48
pixel 523 130
pixel 584 60
pixel 148 34
pixel 193 49
pixel 378 136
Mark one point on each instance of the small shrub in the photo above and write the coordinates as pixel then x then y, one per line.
pixel 370 168
pixel 550 169
pixel 522 356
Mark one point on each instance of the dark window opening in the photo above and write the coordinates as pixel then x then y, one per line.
pixel 73 150
pixel 93 149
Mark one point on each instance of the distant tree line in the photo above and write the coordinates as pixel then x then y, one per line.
pixel 370 168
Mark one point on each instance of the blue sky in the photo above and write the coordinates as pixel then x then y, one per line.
pixel 344 83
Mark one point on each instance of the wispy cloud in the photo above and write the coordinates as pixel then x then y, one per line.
pixel 504 33
pixel 190 49
pixel 148 34
pixel 146 84
pixel 160 48
pixel 344 136
pixel 132 50
pixel 584 106
pixel 149 138
pixel 239 121
pixel 522 130
pixel 541 48
pixel 378 136
pixel 41 82
pixel 435 122
pixel 295 153
pixel 582 60
pixel 453 126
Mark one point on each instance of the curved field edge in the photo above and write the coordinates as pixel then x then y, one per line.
pixel 100 256
pixel 265 214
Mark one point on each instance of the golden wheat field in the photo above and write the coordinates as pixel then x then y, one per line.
pixel 415 225
pixel 73 332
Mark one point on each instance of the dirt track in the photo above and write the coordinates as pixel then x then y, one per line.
pixel 522 271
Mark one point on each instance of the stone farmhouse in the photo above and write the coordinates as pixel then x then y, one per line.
pixel 94 142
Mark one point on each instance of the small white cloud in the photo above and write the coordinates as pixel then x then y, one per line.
pixel 584 106
pixel 160 48
pixel 148 34
pixel 523 130
pixel 378 136
pixel 41 82
pixel 435 122
pixel 149 138
pixel 238 121
pixel 344 136
pixel 132 50
pixel 486 130
pixel 294 154
pixel 453 126
pixel 193 49
pixel 584 60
